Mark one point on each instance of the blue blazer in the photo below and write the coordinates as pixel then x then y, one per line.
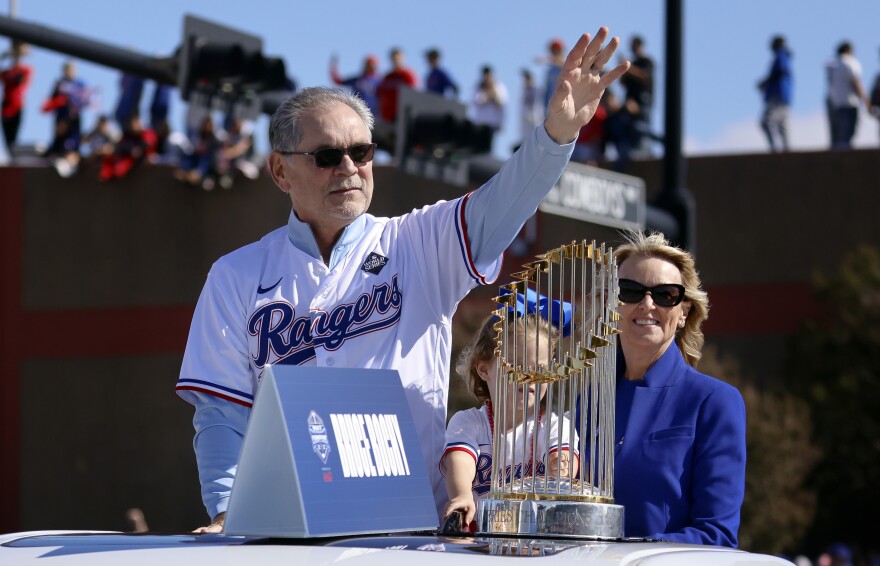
pixel 680 454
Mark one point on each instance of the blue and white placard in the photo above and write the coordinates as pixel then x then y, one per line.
pixel 330 452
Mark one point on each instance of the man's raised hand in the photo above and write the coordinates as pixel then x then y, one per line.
pixel 581 84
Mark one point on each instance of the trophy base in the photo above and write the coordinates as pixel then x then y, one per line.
pixel 556 519
pixel 552 489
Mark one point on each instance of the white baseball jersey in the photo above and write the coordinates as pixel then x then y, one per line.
pixel 385 301
pixel 469 431
pixel 842 72
pixel 387 304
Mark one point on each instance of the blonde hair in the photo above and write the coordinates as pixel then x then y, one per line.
pixel 655 245
pixel 482 349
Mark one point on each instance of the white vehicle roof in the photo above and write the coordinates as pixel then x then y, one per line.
pixel 98 548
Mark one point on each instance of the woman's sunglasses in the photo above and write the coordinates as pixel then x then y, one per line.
pixel 332 156
pixel 666 295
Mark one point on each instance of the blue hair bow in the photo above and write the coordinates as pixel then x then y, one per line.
pixel 532 303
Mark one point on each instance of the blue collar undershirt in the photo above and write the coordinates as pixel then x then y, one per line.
pixel 301 236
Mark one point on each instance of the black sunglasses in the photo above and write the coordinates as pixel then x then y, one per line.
pixel 666 295
pixel 332 156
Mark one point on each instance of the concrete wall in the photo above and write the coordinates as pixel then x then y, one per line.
pixel 100 281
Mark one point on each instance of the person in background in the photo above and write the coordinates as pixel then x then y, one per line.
pixel 194 119
pixel 64 151
pixel 364 85
pixel 619 130
pixel 236 152
pixel 639 101
pixel 489 101
pixel 171 145
pixel 198 166
pixel 438 80
pixel 590 145
pixel 136 144
pixel 168 142
pixel 68 99
pixel 777 88
pixel 554 59
pixel 160 105
pixel 680 435
pixel 399 75
pixel 131 89
pixel 531 111
pixel 101 139
pixel 845 95
pixel 16 79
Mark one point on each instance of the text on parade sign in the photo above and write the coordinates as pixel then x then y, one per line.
pixel 598 196
pixel 369 445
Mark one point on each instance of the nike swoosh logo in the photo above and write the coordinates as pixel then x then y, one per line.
pixel 262 291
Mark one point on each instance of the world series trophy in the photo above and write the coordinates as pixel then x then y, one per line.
pixel 566 490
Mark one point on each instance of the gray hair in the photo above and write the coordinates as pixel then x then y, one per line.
pixel 284 127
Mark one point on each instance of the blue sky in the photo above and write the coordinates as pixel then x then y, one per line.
pixel 726 49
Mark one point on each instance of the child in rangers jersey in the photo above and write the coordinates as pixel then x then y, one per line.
pixel 467 460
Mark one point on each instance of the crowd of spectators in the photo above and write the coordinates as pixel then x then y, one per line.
pixel 622 128
pixel 845 95
pixel 212 152
pixel 621 124
pixel 118 143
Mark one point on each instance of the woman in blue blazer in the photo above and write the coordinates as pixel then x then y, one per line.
pixel 680 453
